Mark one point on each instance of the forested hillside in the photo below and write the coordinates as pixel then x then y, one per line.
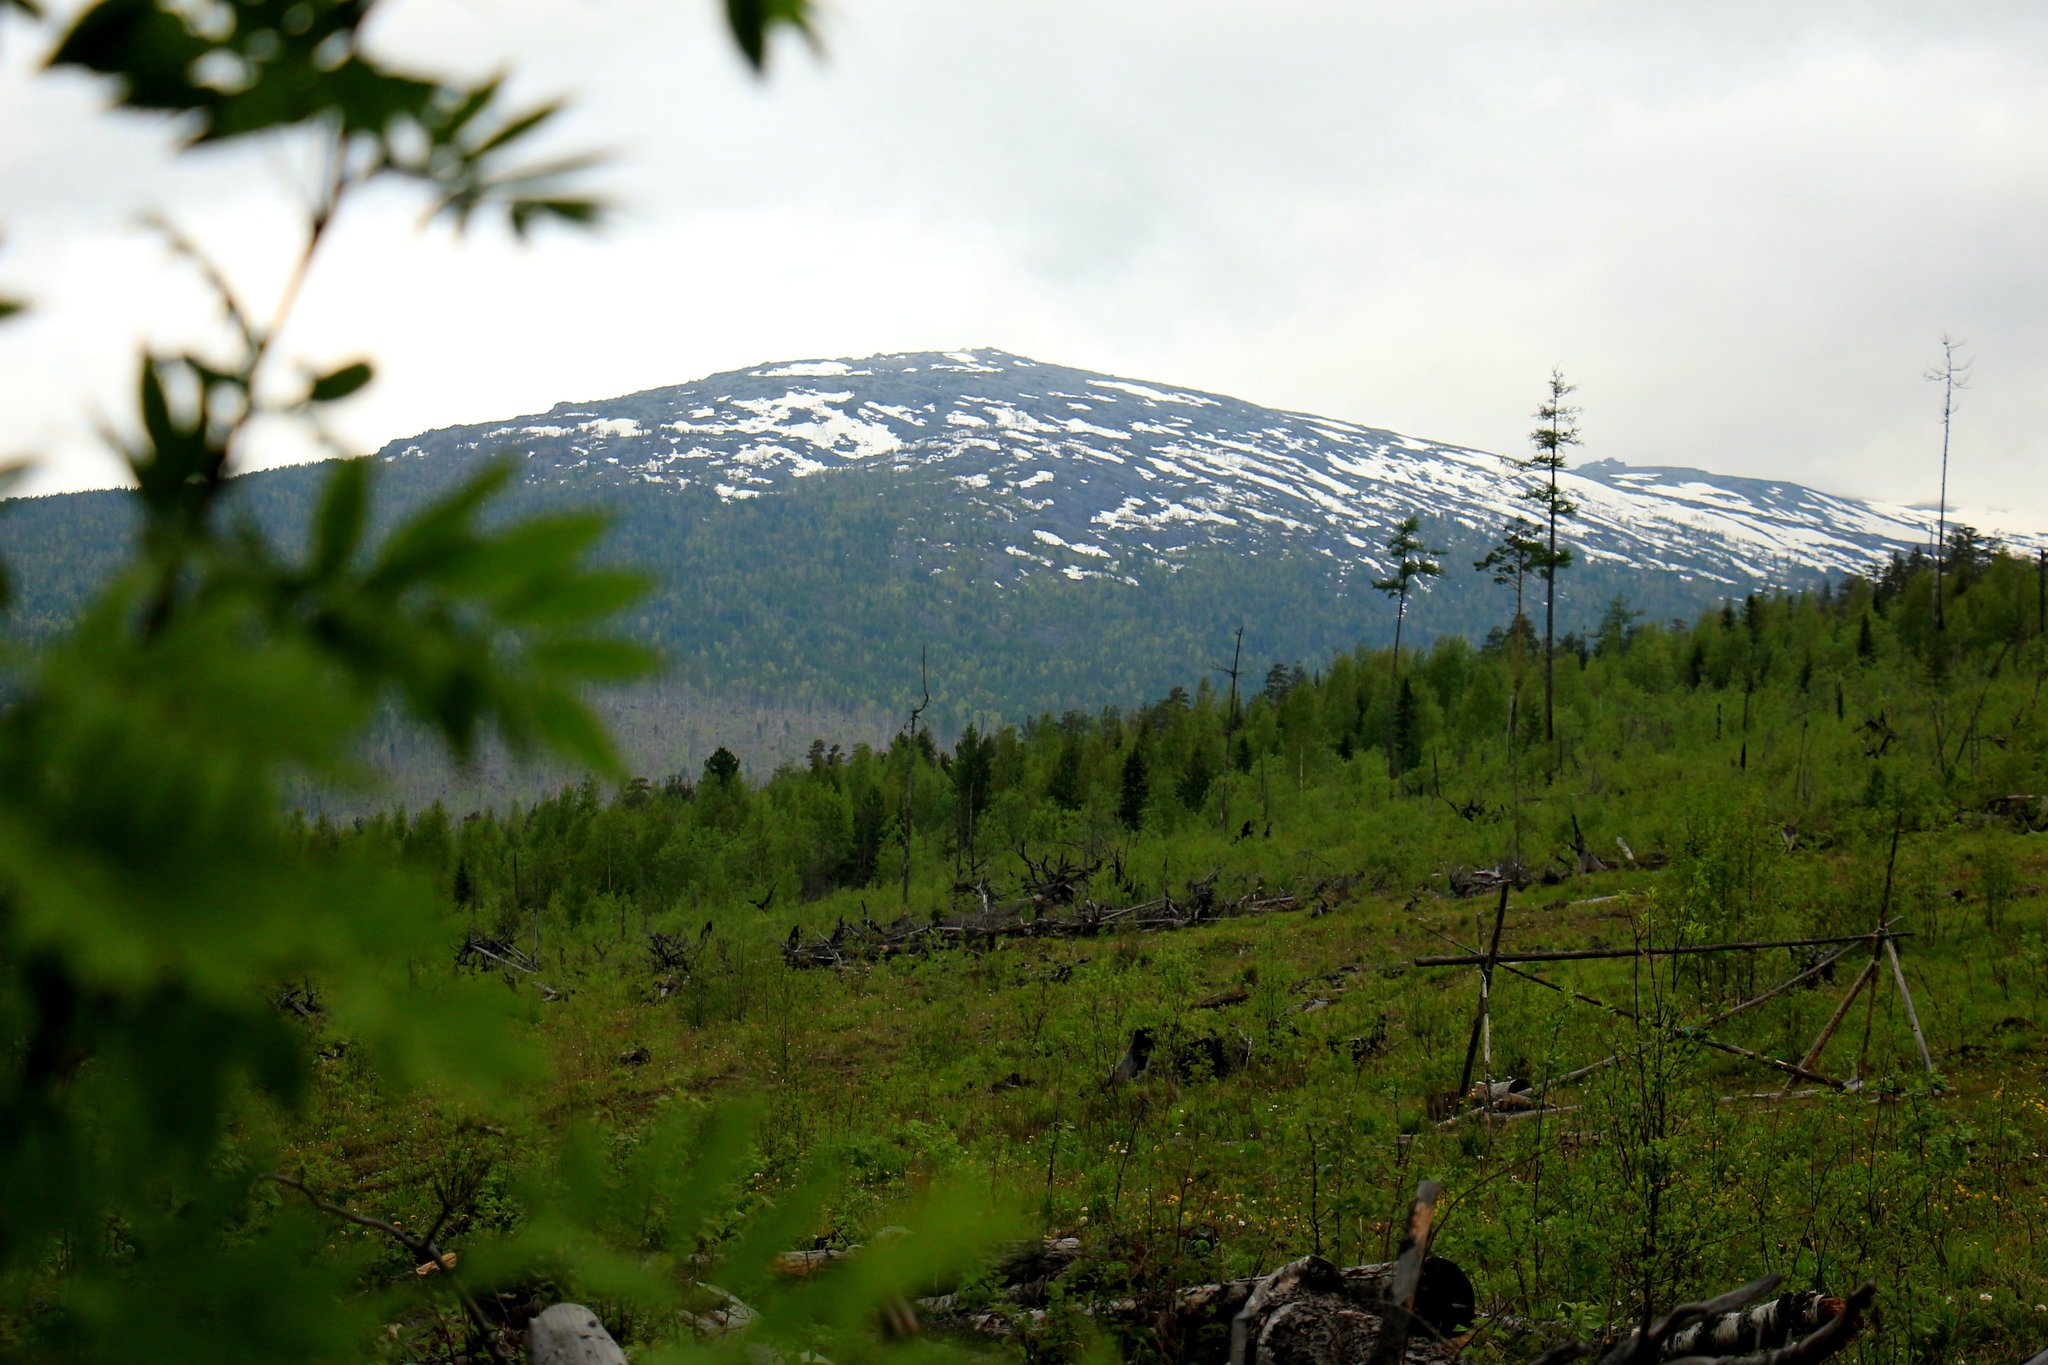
pixel 1825 707
pixel 815 606
pixel 825 539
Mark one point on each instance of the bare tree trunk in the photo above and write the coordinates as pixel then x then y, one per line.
pixel 1394 697
pixel 1549 625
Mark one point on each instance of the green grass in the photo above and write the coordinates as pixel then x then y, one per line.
pixel 1781 773
pixel 897 1072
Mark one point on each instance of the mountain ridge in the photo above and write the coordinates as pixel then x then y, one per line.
pixel 1025 538
pixel 1094 466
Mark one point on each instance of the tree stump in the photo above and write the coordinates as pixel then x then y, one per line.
pixel 570 1334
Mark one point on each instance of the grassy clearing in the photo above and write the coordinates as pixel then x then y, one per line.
pixel 991 1069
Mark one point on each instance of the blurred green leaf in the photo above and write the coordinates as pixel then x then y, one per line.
pixel 9 307
pixel 430 540
pixel 182 464
pixel 524 213
pixel 567 725
pixel 570 598
pixel 753 22
pixel 338 525
pixel 515 129
pixel 150 52
pixel 340 383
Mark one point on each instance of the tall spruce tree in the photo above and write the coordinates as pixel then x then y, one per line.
pixel 1559 429
pixel 972 770
pixel 1137 787
pixel 1509 564
pixel 1408 563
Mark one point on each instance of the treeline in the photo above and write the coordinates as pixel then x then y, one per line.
pixel 1826 707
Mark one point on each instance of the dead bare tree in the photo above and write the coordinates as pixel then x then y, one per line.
pixel 1952 375
pixel 426 1253
pixel 910 769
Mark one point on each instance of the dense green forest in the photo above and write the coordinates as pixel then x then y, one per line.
pixel 1824 707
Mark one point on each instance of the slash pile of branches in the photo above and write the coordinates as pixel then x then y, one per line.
pixel 484 954
pixel 1032 915
pixel 1414 1310
pixel 492 954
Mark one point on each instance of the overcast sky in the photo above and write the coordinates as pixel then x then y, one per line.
pixel 1740 228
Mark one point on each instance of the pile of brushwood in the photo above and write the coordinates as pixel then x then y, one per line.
pixel 1416 1310
pixel 1039 911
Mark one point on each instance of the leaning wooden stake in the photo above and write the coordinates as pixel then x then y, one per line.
pixel 1863 978
pixel 1906 997
pixel 1764 1059
pixel 1787 984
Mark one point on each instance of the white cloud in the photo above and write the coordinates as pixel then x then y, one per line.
pixel 1740 226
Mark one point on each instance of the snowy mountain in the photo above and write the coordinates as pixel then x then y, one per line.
pixel 825 538
pixel 1089 475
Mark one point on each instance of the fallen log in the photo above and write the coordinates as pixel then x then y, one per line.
pixel 1696 1327
pixel 1766 1327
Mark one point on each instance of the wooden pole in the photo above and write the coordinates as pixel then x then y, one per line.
pixel 1912 1016
pixel 1799 1071
pixel 1869 1019
pixel 1597 954
pixel 1480 1021
pixel 1835 1020
pixel 1391 1346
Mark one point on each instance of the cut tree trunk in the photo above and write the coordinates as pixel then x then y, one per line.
pixel 570 1334
pixel 1765 1327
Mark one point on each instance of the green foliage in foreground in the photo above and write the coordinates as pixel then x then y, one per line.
pixel 153 900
